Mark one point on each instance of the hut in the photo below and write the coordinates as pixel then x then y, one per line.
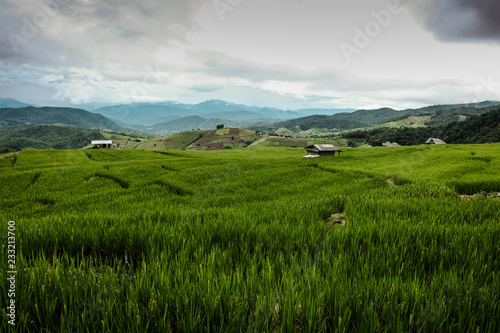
pixel 98 144
pixel 322 150
pixel 391 144
pixel 434 141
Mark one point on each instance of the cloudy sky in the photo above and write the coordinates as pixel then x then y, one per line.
pixel 282 53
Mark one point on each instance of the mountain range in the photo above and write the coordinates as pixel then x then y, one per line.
pixel 171 117
pixel 147 114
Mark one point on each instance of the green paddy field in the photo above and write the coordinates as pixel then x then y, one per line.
pixel 403 239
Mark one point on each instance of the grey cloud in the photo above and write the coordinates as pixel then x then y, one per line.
pixel 223 66
pixel 78 31
pixel 459 20
pixel 336 82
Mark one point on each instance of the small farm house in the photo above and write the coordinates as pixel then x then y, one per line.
pixel 434 141
pixel 98 144
pixel 322 150
pixel 391 144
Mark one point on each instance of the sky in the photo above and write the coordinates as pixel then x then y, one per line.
pixel 288 54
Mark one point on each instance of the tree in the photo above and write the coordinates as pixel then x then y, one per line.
pixel 220 126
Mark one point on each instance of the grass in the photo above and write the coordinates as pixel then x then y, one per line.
pixel 275 141
pixel 243 240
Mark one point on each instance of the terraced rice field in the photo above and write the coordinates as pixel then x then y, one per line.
pixel 258 240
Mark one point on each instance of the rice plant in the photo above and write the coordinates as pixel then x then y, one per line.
pixel 254 240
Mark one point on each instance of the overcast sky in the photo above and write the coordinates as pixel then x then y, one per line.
pixel 281 53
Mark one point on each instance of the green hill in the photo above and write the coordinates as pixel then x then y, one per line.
pixel 475 129
pixel 335 122
pixel 444 117
pixel 199 122
pixel 178 141
pixel 387 117
pixel 55 116
pixel 46 136
pixel 224 138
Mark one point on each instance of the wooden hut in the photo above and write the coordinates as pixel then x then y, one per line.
pixel 391 144
pixel 322 150
pixel 98 144
pixel 435 141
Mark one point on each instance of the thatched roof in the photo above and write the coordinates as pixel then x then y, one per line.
pixel 326 147
pixel 389 144
pixel 435 141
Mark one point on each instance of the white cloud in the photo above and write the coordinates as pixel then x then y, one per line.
pixel 283 87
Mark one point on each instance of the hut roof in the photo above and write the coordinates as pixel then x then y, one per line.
pixel 435 141
pixel 325 147
pixel 389 144
pixel 102 142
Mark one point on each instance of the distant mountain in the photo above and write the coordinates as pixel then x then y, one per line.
pixel 316 111
pixel 199 122
pixel 12 103
pixel 216 105
pixel 234 115
pixel 170 117
pixel 153 113
pixel 46 136
pixel 54 116
pixel 143 113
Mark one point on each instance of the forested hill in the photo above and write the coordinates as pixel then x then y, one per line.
pixel 55 116
pixel 483 128
pixel 46 136
pixel 439 115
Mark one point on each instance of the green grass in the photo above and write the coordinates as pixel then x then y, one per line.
pixel 240 240
pixel 299 143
